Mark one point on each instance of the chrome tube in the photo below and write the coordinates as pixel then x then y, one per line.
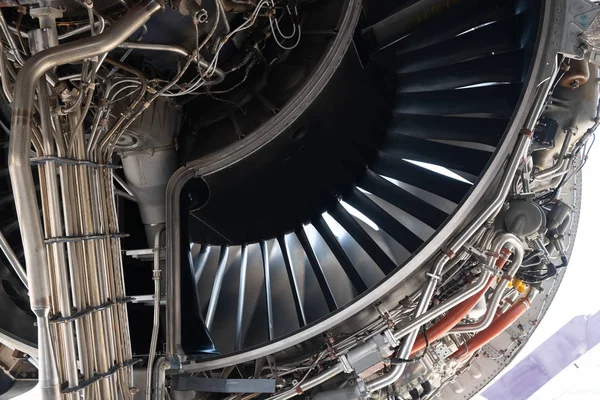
pixel 499 291
pixel 55 228
pixel 155 47
pixel 323 377
pixel 427 294
pixel 156 322
pixel 162 365
pixel 176 50
pixel 173 270
pixel 22 179
pixel 124 185
pixel 423 316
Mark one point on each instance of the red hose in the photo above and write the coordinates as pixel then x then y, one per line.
pixel 458 312
pixel 491 332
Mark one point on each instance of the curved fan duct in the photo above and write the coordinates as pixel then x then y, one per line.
pixel 362 177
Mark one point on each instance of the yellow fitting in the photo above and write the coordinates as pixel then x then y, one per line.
pixel 519 285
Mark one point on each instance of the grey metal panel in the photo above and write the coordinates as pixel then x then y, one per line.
pixel 195 383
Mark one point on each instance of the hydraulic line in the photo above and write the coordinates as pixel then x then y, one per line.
pixel 496 328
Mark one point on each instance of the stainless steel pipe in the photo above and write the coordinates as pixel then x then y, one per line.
pixel 22 179
pixel 499 291
pixel 170 48
pixel 421 316
pixel 156 322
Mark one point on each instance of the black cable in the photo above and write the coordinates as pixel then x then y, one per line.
pixel 396 360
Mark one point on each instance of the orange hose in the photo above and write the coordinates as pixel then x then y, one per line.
pixel 458 312
pixel 491 332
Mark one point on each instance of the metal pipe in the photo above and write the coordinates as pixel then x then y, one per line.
pixel 155 47
pixel 216 290
pixel 124 185
pixel 13 260
pixel 499 291
pixel 335 370
pixel 14 31
pixel 55 227
pixel 423 316
pixel 464 294
pixel 10 39
pixel 174 49
pixel 173 279
pixel 22 179
pixel 80 30
pixel 162 365
pixel 427 294
pixel 156 322
pixel 4 75
pixel 499 325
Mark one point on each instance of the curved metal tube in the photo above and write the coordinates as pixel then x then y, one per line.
pixel 177 50
pixel 423 316
pixel 22 179
pixel 420 314
pixel 499 291
pixel 156 321
pixel 162 365
pixel 548 172
pixel 310 383
pixel 171 48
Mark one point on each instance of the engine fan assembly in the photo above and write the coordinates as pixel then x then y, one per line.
pixel 281 198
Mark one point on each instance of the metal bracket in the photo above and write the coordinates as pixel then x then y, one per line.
pixel 389 335
pixel 385 315
pixel 346 364
pixel 476 253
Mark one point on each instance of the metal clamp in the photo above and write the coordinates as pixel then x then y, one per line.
pixel 89 310
pixel 389 335
pixel 346 364
pixel 71 161
pixel 97 376
pixel 81 238
pixel 476 253
pixel 433 276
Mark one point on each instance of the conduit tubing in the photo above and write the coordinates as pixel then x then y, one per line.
pixel 421 316
pixel 459 312
pixel 499 292
pixel 22 179
pixel 156 320
pixel 496 328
